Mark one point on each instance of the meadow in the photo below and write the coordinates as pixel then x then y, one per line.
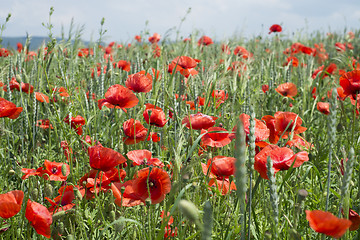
pixel 190 138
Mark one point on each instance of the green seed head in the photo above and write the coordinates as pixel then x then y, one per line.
pixel 189 210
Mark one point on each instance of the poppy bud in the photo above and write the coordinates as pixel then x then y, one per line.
pixel 112 216
pixel 189 210
pixel 34 193
pixel 302 194
pixel 63 169
pixel 69 237
pixel 77 193
pixel 48 190
pixel 18 78
pixel 122 190
pixel 58 215
pixel 11 172
pixel 108 74
pixel 61 228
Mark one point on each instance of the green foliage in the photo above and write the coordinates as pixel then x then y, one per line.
pixel 259 210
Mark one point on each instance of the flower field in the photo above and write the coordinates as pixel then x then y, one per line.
pixel 189 139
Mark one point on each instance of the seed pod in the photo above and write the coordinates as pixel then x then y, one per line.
pixel 63 169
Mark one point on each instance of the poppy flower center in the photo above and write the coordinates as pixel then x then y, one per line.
pixel 152 184
pixel 54 170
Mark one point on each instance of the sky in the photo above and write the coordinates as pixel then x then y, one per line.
pixel 218 19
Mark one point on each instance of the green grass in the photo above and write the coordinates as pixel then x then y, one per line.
pixel 24 145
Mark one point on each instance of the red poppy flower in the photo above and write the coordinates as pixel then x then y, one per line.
pixel 299 143
pixel 62 91
pixel 134 131
pixel 76 123
pixel 350 82
pixel 41 97
pixel 340 94
pixel 155 38
pixel 63 201
pixel 137 38
pixel 104 159
pixel 205 40
pixel 124 65
pixel 199 121
pixel 157 183
pixel 215 137
pixel 261 130
pixel 138 82
pixel 330 69
pixel 44 124
pixel 39 217
pixel 355 220
pixel 129 198
pixel 287 90
pixel 52 171
pixel 153 136
pixel 185 62
pixel 275 28
pixel 140 157
pixel 323 107
pixel 118 96
pixel 156 118
pixel 307 50
pixel 220 97
pixel 282 124
pixel 223 185
pixel 221 166
pixel 30 172
pixel 13 84
pixel 156 50
pixel 294 61
pixel 85 52
pixel 4 52
pixel 10 203
pixel 19 47
pixel 340 47
pixel 101 183
pixel 242 52
pixel 27 88
pixel 265 88
pixel 66 149
pixel 185 65
pixel 9 109
pixel 327 223
pixel 282 159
